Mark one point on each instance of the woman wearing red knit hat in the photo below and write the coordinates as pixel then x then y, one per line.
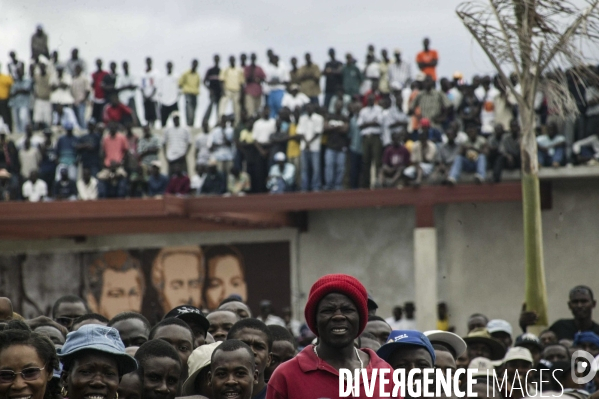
pixel 337 313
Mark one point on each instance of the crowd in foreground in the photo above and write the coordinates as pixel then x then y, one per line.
pixel 374 124
pixel 227 353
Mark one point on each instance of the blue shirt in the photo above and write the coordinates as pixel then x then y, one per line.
pixel 65 150
pixel 157 184
pixel 21 100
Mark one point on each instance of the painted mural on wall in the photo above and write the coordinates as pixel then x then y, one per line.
pixel 150 281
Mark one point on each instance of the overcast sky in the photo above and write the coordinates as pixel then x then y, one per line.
pixel 184 29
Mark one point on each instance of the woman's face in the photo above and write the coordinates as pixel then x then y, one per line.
pixel 93 374
pixel 225 277
pixel 17 358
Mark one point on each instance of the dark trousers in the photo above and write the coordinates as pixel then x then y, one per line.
pixel 150 111
pixel 191 103
pixel 355 167
pixel 166 111
pixel 372 151
pixel 501 163
pixel 6 114
pixel 214 100
pixel 257 168
pixel 182 162
pixel 327 99
pixel 98 111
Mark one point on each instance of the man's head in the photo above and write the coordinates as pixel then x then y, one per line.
pixel 429 83
pixel 332 53
pixel 337 309
pixel 125 66
pixel 255 334
pixel 33 176
pixel 515 127
pixel 99 64
pixel 236 306
pixel 133 328
pixel 160 369
pixel 221 322
pixel 370 100
pixel 517 362
pixel 148 63
pixel 178 276
pixel 397 312
pixel 407 350
pixel 501 330
pixel 113 67
pixel 169 67
pixel 232 61
pixel 68 308
pixel 477 320
pixel 284 348
pixel 581 302
pixel 233 371
pixel 194 65
pixel 396 139
pixel 216 59
pixel 481 344
pixel 177 333
pixel 444 360
pixel 116 284
pixel 426 43
pixel 308 58
pixel 253 58
pixel 587 341
pixel 548 337
pixel 194 318
pixel 293 62
pixel 556 353
pixel 89 318
pixel 378 327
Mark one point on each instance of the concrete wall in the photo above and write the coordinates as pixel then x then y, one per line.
pixel 480 251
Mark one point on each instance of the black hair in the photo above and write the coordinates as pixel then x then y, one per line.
pixel 231 345
pixel 130 315
pixel 254 324
pixel 90 316
pixel 17 325
pixel 376 318
pixel 67 299
pixel 564 347
pixel 478 315
pixel 280 333
pixel 168 322
pixel 153 349
pixel 43 347
pixel 582 288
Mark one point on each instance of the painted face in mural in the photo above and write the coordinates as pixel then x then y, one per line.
pixel 117 284
pixel 225 277
pixel 178 275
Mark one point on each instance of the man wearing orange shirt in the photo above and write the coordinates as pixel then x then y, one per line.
pixel 427 60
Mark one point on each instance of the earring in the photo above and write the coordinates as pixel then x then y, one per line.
pixel 64 393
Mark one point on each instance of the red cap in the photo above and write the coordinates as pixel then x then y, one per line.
pixel 425 122
pixel 342 284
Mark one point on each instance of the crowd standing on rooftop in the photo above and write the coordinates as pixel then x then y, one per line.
pixel 381 123
pixel 228 353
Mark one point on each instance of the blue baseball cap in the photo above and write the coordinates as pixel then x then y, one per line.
pixel 586 337
pixel 402 338
pixel 101 339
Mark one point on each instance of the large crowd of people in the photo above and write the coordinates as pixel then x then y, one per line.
pixel 228 353
pixel 82 133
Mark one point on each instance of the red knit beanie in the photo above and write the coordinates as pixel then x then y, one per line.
pixel 342 284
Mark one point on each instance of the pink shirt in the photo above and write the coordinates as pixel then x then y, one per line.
pixel 114 148
pixel 253 88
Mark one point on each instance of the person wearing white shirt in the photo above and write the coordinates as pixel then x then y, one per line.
pixel 34 189
pixel 294 99
pixel 127 84
pixel 370 122
pixel 257 165
pixel 168 94
pixel 220 142
pixel 197 181
pixel 65 116
pixel 277 75
pixel 61 88
pixel 87 186
pixel 400 72
pixel 176 144
pixel 310 126
pixel 202 146
pixel 149 83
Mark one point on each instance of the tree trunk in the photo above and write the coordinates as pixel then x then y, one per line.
pixel 535 288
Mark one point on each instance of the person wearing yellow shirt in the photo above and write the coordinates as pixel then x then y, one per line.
pixel 189 83
pixel 6 82
pixel 232 80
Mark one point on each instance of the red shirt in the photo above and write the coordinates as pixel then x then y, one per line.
pixel 97 84
pixel 427 57
pixel 309 377
pixel 178 185
pixel 114 148
pixel 116 113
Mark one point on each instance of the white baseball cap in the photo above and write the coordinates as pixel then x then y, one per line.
pixel 517 353
pixel 497 325
pixel 447 339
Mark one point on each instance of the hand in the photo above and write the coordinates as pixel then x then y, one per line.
pixel 527 318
